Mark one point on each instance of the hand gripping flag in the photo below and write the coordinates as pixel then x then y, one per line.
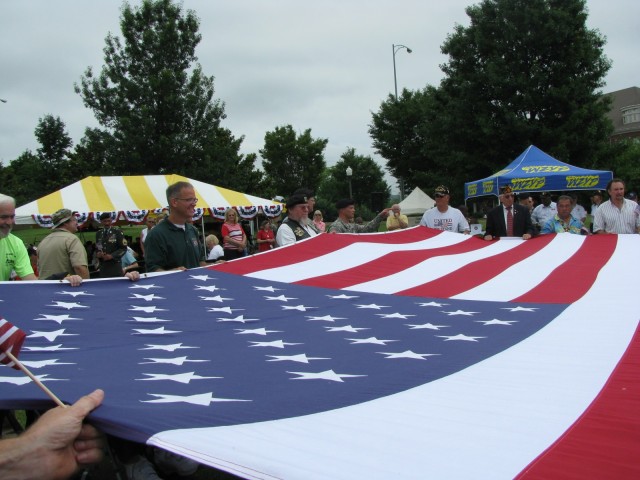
pixel 11 340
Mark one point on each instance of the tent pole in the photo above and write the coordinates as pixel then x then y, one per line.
pixel 204 239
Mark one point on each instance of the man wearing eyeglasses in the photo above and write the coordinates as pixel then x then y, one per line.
pixel 444 217
pixel 508 219
pixel 174 244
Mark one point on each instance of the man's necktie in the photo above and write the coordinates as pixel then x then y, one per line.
pixel 509 222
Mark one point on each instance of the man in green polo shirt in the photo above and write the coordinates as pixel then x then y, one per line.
pixel 13 253
pixel 174 244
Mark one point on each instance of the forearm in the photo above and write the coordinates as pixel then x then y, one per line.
pixel 82 270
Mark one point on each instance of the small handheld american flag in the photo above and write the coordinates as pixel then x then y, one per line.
pixel 11 340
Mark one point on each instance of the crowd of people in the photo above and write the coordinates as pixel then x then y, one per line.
pixel 60 438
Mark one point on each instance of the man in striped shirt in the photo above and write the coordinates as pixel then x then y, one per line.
pixel 618 214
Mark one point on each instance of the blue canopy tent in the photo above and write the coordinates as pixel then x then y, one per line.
pixel 536 171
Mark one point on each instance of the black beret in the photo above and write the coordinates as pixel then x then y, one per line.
pixel 343 203
pixel 294 200
pixel 104 215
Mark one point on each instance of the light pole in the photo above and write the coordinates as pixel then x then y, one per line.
pixel 396 49
pixel 349 174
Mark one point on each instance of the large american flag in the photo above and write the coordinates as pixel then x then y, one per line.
pixel 412 354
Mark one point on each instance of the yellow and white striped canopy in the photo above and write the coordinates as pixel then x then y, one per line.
pixel 132 193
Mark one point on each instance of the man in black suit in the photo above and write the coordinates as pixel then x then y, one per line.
pixel 507 219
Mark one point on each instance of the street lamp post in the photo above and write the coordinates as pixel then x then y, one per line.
pixel 349 174
pixel 396 49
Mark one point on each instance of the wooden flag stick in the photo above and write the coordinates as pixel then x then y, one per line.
pixel 35 379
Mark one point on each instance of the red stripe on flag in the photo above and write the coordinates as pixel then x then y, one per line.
pixel 604 442
pixel 11 340
pixel 388 265
pixel 478 272
pixel 572 279
pixel 318 246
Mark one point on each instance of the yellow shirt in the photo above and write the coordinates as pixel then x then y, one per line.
pixel 393 222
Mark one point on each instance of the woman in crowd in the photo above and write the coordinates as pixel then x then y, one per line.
pixel 265 237
pixel 233 237
pixel 213 247
pixel 317 221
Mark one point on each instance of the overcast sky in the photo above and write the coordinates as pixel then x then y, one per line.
pixel 324 65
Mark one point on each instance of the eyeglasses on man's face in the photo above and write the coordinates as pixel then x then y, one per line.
pixel 189 200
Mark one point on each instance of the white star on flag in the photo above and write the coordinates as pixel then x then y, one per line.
pixel 520 309
pixel 346 328
pixel 394 315
pixel 209 288
pixel 149 309
pixel 52 348
pixel 373 306
pixel 156 331
pixel 325 318
pixel 67 305
pixel 202 278
pixel 429 326
pixel 342 297
pixel 51 336
pixel 149 320
pixel 57 318
pixel 172 361
pixel 256 331
pixel 238 319
pixel 326 375
pixel 281 298
pixel 217 298
pixel 495 321
pixel 408 354
pixel 23 380
pixel 301 358
pixel 460 336
pixel 432 304
pixel 267 289
pixel 75 294
pixel 203 399
pixel 301 308
pixel 275 344
pixel 147 298
pixel 145 287
pixel 44 363
pixel 177 377
pixel 169 348
pixel 228 310
pixel 459 312
pixel 369 340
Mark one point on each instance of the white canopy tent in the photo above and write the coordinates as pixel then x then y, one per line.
pixel 416 203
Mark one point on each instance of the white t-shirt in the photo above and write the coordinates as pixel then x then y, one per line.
pixel 452 220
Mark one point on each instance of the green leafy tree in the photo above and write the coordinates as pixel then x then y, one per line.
pixel 31 176
pixel 523 72
pixel 20 178
pixel 291 161
pixel 370 191
pixel 626 164
pixel 399 136
pixel 155 103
